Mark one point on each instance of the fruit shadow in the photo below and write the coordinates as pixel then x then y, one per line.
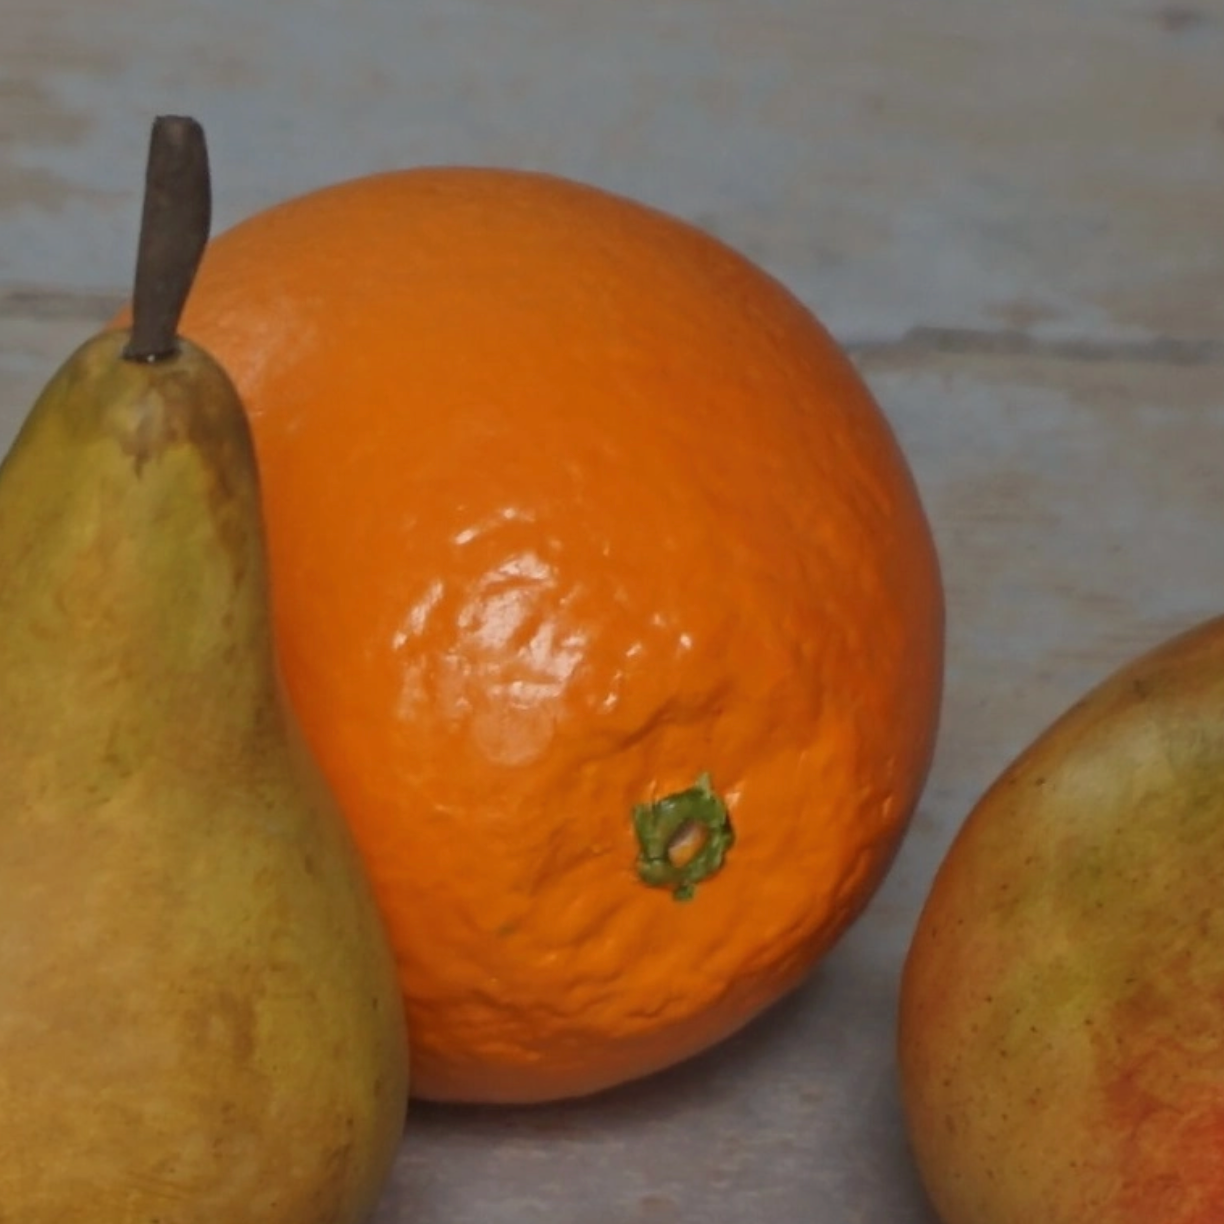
pixel 694 1084
pixel 804 1058
pixel 439 1138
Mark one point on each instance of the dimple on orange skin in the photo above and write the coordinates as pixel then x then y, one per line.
pixel 567 505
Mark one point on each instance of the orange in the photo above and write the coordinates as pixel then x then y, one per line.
pixel 573 510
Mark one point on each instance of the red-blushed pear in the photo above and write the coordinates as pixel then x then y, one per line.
pixel 1061 1036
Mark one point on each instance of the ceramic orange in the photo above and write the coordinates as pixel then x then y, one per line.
pixel 605 596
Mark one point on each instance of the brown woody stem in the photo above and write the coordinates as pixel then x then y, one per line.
pixel 174 229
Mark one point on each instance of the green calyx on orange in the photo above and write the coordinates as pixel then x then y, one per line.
pixel 684 838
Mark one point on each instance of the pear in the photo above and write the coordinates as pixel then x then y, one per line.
pixel 199 1016
pixel 1061 1035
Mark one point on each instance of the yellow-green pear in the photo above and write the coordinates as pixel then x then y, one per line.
pixel 199 1016
pixel 1061 1035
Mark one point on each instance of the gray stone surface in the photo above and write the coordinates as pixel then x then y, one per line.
pixel 1012 214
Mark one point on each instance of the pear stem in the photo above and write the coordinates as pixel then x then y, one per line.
pixel 174 229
